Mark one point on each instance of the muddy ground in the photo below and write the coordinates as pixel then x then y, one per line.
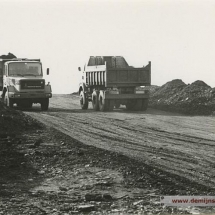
pixel 86 162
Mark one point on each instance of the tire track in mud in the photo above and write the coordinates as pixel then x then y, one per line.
pixel 157 140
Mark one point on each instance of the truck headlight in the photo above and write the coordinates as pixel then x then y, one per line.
pixel 17 82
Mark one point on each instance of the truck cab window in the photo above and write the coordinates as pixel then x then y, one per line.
pixel 25 69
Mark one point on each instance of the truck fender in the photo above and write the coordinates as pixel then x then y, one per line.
pixel 3 92
pixel 9 89
pixel 82 87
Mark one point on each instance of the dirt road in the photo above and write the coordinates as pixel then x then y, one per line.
pixel 182 146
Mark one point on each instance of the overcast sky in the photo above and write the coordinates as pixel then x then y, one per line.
pixel 178 37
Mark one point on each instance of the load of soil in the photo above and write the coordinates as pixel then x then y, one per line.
pixel 8 56
pixel 196 99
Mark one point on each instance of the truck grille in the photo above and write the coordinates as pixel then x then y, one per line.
pixel 32 84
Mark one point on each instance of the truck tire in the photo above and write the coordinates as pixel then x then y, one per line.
pixel 103 103
pixel 95 100
pixel 8 101
pixel 145 104
pixel 83 101
pixel 45 104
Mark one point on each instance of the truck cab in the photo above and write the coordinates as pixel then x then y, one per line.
pixel 22 83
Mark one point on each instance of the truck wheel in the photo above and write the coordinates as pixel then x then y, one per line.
pixel 103 103
pixel 45 104
pixel 145 104
pixel 95 100
pixel 83 101
pixel 7 100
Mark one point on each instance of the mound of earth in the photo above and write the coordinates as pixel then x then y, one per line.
pixel 8 56
pixel 13 121
pixel 167 91
pixel 197 98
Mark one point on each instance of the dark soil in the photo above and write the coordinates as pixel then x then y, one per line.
pixel 195 99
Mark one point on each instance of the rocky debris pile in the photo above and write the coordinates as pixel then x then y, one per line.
pixel 13 121
pixel 197 98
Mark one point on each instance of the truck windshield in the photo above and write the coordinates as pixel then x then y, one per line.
pixel 24 69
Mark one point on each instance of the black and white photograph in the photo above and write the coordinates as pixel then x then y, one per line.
pixel 107 107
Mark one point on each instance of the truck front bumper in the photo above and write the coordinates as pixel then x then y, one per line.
pixel 29 95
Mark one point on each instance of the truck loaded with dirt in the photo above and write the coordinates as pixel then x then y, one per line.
pixel 22 82
pixel 109 82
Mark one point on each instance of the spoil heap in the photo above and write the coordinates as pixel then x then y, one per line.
pixel 196 98
pixel 14 121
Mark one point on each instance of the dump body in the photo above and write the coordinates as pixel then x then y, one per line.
pixel 132 77
pixel 117 75
pixel 22 83
pixel 116 79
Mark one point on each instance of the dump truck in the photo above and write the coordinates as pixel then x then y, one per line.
pixel 22 82
pixel 108 82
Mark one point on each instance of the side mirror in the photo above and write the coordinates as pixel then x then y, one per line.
pixel 47 72
pixel 79 68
